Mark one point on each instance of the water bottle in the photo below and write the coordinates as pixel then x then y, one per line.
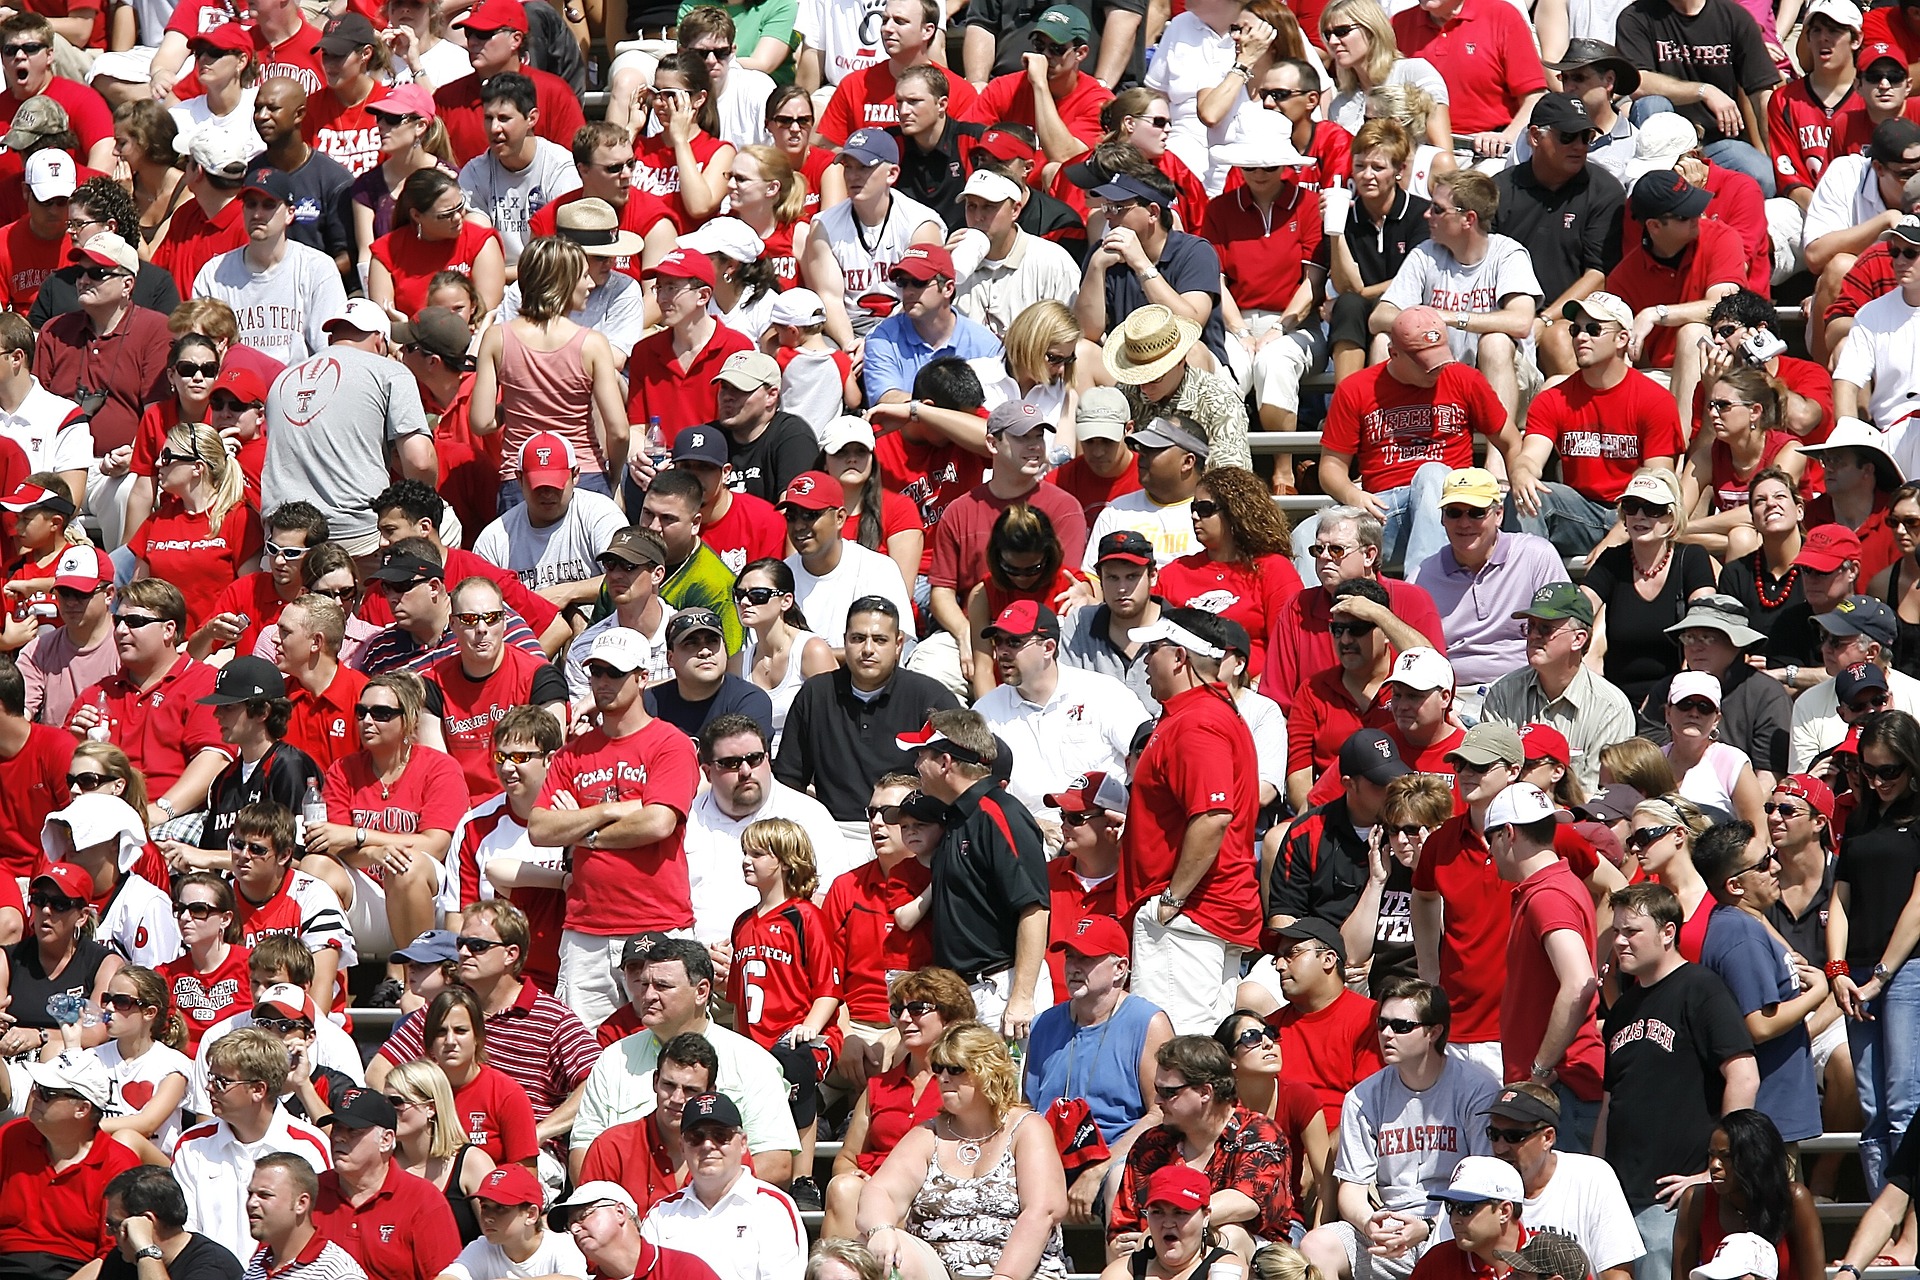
pixel 659 448
pixel 102 731
pixel 313 809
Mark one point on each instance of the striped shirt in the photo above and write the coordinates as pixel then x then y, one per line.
pixel 395 648
pixel 536 1042
pixel 322 1259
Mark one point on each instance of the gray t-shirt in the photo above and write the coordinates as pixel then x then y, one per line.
pixel 511 199
pixel 568 550
pixel 330 422
pixel 283 310
pixel 1406 1143
pixel 1432 276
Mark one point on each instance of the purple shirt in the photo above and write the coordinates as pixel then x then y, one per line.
pixel 1484 639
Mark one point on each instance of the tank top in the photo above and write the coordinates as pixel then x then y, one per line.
pixel 1100 1063
pixel 967 1220
pixel 1906 638
pixel 779 253
pixel 545 391
pixel 782 693
pixel 1729 491
pixel 31 986
pixel 867 255
pixel 1712 1233
pixel 1143 1258
pixel 1710 783
pixel 464 1218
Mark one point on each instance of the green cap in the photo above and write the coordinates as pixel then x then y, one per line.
pixel 1490 742
pixel 1064 24
pixel 1559 600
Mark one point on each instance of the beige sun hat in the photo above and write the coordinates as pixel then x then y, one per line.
pixel 1148 343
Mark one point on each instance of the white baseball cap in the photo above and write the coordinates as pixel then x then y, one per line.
pixel 1844 13
pixel 1601 305
pixel 1478 1179
pixel 844 430
pixel 1520 805
pixel 991 187
pixel 78 1070
pixel 363 314
pixel 1741 1254
pixel 622 648
pixel 728 237
pixel 1694 684
pixel 1422 669
pixel 798 306
pixel 51 175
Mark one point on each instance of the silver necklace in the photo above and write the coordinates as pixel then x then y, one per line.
pixel 968 1149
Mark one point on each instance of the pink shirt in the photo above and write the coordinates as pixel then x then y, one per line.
pixel 56 672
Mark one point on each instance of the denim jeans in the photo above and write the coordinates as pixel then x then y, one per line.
pixel 1568 519
pixel 1729 153
pixel 1575 1131
pixel 1886 1068
pixel 1413 529
pixel 1656 1233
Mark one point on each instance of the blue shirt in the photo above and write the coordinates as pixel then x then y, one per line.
pixel 1754 967
pixel 896 353
pixel 1100 1063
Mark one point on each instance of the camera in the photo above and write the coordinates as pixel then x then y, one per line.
pixel 1760 346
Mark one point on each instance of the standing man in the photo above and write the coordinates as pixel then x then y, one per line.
pixel 1491 65
pixel 1187 855
pixel 990 895
pixel 321 207
pixel 283 293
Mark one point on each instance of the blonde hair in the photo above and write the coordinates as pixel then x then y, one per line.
pixel 407 689
pixel 788 843
pixel 1677 811
pixel 984 1055
pixel 1383 51
pixel 229 483
pixel 1283 1262
pixel 1040 326
pixel 1407 103
pixel 252 1055
pixel 424 1082
pixel 1671 482
pixel 113 760
pixel 791 201
pixel 550 267
pixel 1640 765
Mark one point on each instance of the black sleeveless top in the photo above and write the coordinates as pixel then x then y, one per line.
pixel 1906 640
pixel 31 986
pixel 462 1204
pixel 1138 1263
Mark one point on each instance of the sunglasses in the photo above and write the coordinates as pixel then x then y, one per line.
pixel 124 1004
pixel 1168 1092
pixel 1061 362
pixel 1587 328
pixel 1352 629
pixel 1645 837
pixel 1399 1026
pixel 168 457
pixel 251 848
pixel 134 621
pixel 1033 570
pixel 946 1070
pixel 395 1101
pixel 72 595
pixel 916 1008
pixel 1584 137
pixel 1903 255
pixel 1464 1208
pixel 1726 331
pixel 1331 550
pixel 1695 707
pixel 1464 513
pixel 732 764
pixel 1076 819
pixel 195 369
pixel 88 781
pixel 1883 77
pixel 1871 702
pixel 59 1095
pixel 1767 860
pixel 1158 122
pixel 488 618
pixel 55 901
pixel 1204 508
pixel 1409 830
pixel 229 404
pixel 476 946
pixel 336 593
pixel 518 757
pixel 379 715
pixel 104 273
pixel 277 552
pixel 1637 507
pixel 754 595
pixel 1047 48
pixel 1512 1137
pixel 1787 811
pixel 1250 1037
pixel 1883 772
pixel 197 910
pixel 28 48
pixel 887 813
pixel 220 1084
pixel 605 671
pixel 790 122
pixel 284 1026
pixel 1727 406
pixel 1343 31
pixel 1283 95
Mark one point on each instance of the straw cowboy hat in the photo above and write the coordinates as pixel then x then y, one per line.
pixel 1149 343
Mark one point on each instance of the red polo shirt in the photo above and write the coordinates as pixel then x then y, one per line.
pixel 42 1211
pixel 635 1156
pixel 405 1232
pixel 868 947
pixel 1264 255
pixel 1641 281
pixel 680 396
pixel 1070 899
pixel 322 724
pixel 1737 202
pixel 1455 864
pixel 193 239
pixel 1487 56
pixel 1323 717
pixel 252 595
pixel 1299 644
pixel 163 728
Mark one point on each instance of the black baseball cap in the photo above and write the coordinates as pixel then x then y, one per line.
pixel 701 444
pixel 1892 139
pixel 710 1108
pixel 1124 186
pixel 1517 1104
pixel 268 180
pixel 639 948
pixel 1372 755
pixel 1560 111
pixel 360 1108
pixel 246 679
pixel 1663 193
pixel 1314 929
pixel 401 567
pixel 1124 544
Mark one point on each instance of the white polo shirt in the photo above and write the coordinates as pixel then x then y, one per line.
pixel 213 1167
pixel 620 1088
pixel 1084 727
pixel 48 432
pixel 719 886
pixel 752 1232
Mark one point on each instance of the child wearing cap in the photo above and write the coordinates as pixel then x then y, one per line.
pixel 515 1243
pixel 816 377
pixel 45 512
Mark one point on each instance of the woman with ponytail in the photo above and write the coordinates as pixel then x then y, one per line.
pixel 202 535
pixel 764 192
pixel 780 652
pixel 144 1057
pixel 412 138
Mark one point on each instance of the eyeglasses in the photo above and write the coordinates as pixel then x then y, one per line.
pixel 476 946
pixel 946 1070
pixel 1587 328
pixel 229 404
pixel 168 458
pixel 196 369
pixel 1884 772
pixel 1204 508
pixel 913 1008
pixel 89 781
pixel 196 910
pixel 277 552
pixel 1343 31
pixel 27 48
pixel 1727 406
pixel 518 757
pixel 1331 550
pixel 1694 707
pixel 1353 630
pixel 1787 812
pixel 1168 1092
pixel 284 1026
pixel 134 621
pixel 1634 507
pixel 58 1095
pixel 379 715
pixel 1464 513
pixel 1512 1137
pixel 55 901
pixel 1870 702
pixel 1256 1035
pixel 124 1004
pixel 487 618
pixel 1158 122
pixel 754 595
pixel 733 764
pixel 250 848
pixel 1646 837
pixel 791 122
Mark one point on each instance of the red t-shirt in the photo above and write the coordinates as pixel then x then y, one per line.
pixel 1804 378
pixel 42 1211
pixel 1200 759
pixel 323 726
pixel 960 541
pixel 64 8
pixel 657 173
pixel 252 595
pixel 162 728
pixel 623 1022
pixel 1090 489
pixel 42 604
pixel 1473 950
pixel 206 998
pixel 819 160
pixel 458 103
pixel 413 262
pixel 472 708
pixel 545 909
pixel 1392 429
pixel 1264 255
pixel 897 515
pixel 865 100
pixel 929 475
pixel 87 111
pixel 33 783
pixel 498 1118
pixel 1737 202
pixel 640 214
pixel 1008 99
pixel 1329 1051
pixel 1801 133
pixel 1070 900
pixel 193 239
pixel 1890 26
pixel 619 892
pixel 1546 902
pixel 1323 716
pixel 1717 257
pixel 188 552
pixel 751 530
pixel 1854 131
pixel 869 948
pixel 1602 437
pixel 1487 56
pixel 296 57
pixel 658 386
pixel 430 795
pixel 346 133
pixel 1249 594
pixel 405 1232
pixel 26 261
pixel 1331 149
pixel 782 963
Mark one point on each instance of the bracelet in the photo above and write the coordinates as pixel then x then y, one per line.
pixel 1151 273
pixel 1848 1266
pixel 913 411
pixel 1838 969
pixel 1241 69
pixel 1793 673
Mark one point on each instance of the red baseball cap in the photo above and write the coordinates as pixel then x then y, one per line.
pixel 812 491
pixel 244 385
pixel 925 261
pixel 1827 547
pixel 82 568
pixel 1002 144
pixel 495 15
pixel 1872 53
pixel 1024 618
pixel 29 496
pixel 1095 936
pixel 1179 1184
pixel 1544 742
pixel 1811 789
pixel 684 264
pixel 511 1184
pixel 73 881
pixel 228 37
pixel 546 461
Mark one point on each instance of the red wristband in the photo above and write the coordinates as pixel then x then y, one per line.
pixel 1838 969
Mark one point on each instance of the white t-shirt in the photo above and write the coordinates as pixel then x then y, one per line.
pixel 193 115
pixel 556 1255
pixel 1168 528
pixel 1847 195
pixel 1883 348
pixel 861 572
pixel 503 837
pixel 743 107
pixel 719 888
pixel 568 550
pixel 139 923
pixel 1268 725
pixel 1349 110
pixel 1433 276
pixel 445 63
pixel 283 310
pixel 509 198
pixel 1191 59
pixel 37 428
pixel 1406 1143
pixel 1583 1202
pixel 1084 727
pixel 136 1079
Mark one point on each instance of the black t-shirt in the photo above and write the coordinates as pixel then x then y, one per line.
pixel 734 694
pixel 1056 220
pixel 1640 654
pixel 1190 265
pixel 1378 251
pixel 1568 231
pixel 763 466
pixel 1737 579
pixel 321 206
pixel 1794 638
pixel 1878 861
pixel 990 866
pixel 60 293
pixel 1721 46
pixel 936 177
pixel 201 1259
pixel 1012 21
pixel 30 987
pixel 280 776
pixel 1665 1046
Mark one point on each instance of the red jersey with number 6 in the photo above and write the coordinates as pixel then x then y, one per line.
pixel 782 963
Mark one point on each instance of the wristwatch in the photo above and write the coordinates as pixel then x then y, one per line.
pixel 165 806
pixel 1882 974
pixel 1171 901
pixel 153 1251
pixel 1660 313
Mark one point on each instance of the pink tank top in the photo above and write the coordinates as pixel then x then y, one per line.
pixel 545 391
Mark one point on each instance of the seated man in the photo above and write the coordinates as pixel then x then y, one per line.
pixel 1857 199
pixel 648 1156
pixel 1142 260
pixel 1871 381
pixel 723 1204
pixel 1706 83
pixel 1873 274
pixel 58 1164
pixel 925 327
pixel 604 1221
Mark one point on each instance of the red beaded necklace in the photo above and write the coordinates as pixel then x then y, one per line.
pixel 1768 601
